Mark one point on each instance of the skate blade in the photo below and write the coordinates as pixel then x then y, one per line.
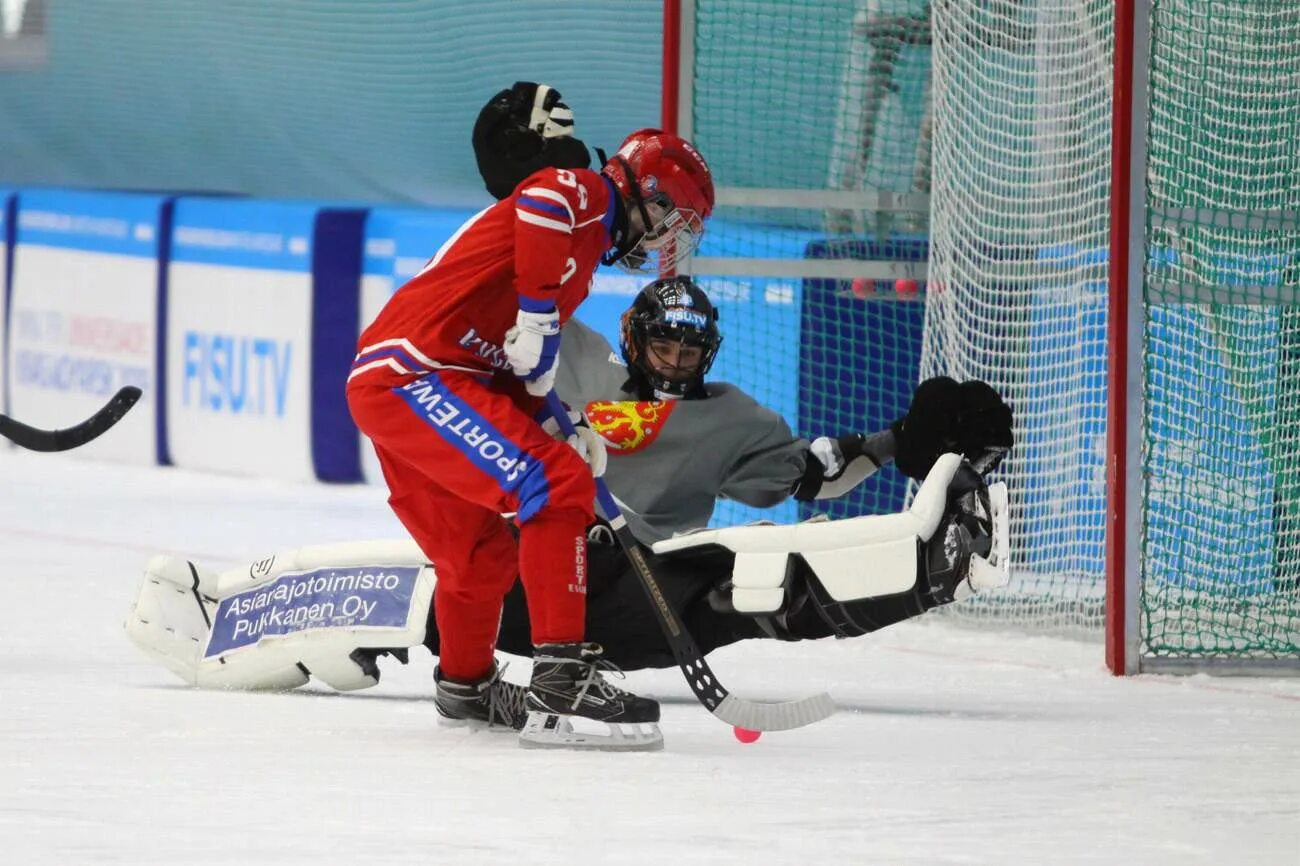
pixel 554 731
pixel 474 725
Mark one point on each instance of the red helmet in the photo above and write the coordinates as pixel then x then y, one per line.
pixel 657 166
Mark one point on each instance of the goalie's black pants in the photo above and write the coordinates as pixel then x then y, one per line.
pixel 620 617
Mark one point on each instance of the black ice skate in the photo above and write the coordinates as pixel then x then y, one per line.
pixel 570 705
pixel 490 703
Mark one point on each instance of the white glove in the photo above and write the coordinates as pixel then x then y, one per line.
pixel 586 442
pixel 828 451
pixel 552 122
pixel 532 347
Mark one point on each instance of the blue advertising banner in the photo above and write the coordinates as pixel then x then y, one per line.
pixel 322 599
pixel 83 311
pixel 8 204
pixel 336 270
pixel 261 320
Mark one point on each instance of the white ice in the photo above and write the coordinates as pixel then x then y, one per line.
pixel 950 745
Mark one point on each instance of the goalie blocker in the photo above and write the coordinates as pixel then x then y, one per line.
pixel 328 611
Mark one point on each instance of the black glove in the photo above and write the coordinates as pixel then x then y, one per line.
pixel 517 134
pixel 969 418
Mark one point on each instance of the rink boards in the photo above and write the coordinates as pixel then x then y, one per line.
pixel 239 319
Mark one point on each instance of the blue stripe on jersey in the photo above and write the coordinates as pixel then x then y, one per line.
pixel 402 356
pixel 536 305
pixel 546 207
pixel 462 427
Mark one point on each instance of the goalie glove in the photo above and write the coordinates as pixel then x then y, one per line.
pixel 969 418
pixel 521 130
pixel 532 346
pixel 587 442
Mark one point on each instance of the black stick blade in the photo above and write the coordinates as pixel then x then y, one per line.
pixel 34 439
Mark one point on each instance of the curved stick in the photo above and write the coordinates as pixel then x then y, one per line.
pixel 737 711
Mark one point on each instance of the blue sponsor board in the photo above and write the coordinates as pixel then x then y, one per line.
pixel 1212 383
pixel 83 308
pixel 326 598
pixel 1061 416
pixel 121 223
pixel 400 241
pixel 8 204
pixel 1215 395
pixel 244 233
pixel 262 314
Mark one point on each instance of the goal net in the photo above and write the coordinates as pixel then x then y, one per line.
pixel 864 147
pixel 1219 572
pixel 1018 274
pixel 1018 269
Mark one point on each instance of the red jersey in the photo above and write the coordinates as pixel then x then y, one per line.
pixel 543 243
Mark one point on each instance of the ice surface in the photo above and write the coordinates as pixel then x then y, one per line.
pixel 951 745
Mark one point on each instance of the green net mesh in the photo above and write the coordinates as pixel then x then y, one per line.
pixel 1018 297
pixel 1221 541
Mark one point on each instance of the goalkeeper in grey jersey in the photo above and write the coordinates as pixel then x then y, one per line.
pixel 676 443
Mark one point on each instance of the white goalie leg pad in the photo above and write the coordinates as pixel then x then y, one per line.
pixel 858 558
pixel 172 615
pixel 260 626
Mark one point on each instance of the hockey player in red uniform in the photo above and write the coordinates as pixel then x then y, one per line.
pixel 448 383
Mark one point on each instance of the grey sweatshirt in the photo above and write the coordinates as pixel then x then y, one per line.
pixel 670 461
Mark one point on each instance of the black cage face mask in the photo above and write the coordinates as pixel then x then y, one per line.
pixel 677 311
pixel 677 380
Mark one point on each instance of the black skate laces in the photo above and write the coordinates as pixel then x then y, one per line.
pixel 505 700
pixel 594 666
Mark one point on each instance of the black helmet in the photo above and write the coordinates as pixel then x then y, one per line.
pixel 670 309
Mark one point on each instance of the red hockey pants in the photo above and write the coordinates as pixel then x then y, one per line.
pixel 457 450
